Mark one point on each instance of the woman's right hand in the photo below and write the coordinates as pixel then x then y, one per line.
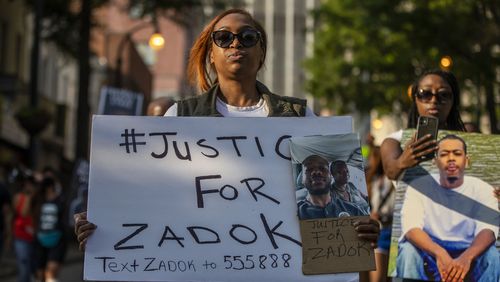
pixel 83 229
pixel 415 150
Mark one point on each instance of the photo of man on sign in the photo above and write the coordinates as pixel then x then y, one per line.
pixel 344 189
pixel 441 241
pixel 330 192
pixel 319 202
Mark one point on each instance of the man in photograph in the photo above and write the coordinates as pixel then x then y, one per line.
pixel 319 203
pixel 449 222
pixel 343 189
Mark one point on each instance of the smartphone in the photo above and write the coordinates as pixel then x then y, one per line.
pixel 427 125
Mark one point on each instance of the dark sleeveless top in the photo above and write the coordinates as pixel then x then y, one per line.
pixel 279 106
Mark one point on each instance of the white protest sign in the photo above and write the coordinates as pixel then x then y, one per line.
pixel 197 199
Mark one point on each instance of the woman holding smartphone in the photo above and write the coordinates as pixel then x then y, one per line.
pixel 434 94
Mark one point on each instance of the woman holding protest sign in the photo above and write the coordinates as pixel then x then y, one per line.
pixel 224 63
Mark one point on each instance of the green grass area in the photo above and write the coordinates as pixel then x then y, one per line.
pixel 393 252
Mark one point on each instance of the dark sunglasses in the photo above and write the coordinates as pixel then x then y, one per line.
pixel 442 96
pixel 248 38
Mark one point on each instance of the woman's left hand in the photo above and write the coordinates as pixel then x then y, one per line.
pixel 368 230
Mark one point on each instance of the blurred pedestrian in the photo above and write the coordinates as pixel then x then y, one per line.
pixel 23 226
pixel 50 243
pixel 5 214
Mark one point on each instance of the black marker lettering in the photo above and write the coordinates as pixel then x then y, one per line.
pixel 278 145
pixel 172 266
pixel 147 268
pixel 317 236
pixel 318 253
pixel 235 192
pixel 235 226
pixel 272 232
pixel 142 226
pixel 257 141
pixel 134 265
pixel 215 153
pixel 165 141
pixel 192 230
pixel 187 156
pixel 234 138
pixel 104 259
pixel 362 246
pixel 182 266
pixel 174 237
pixel 162 266
pixel 255 191
pixel 199 192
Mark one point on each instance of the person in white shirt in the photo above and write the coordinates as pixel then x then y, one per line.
pixel 449 222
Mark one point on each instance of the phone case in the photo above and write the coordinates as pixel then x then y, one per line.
pixel 427 125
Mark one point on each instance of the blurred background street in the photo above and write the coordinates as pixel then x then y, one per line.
pixel 72 270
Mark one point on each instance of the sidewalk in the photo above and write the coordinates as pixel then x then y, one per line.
pixel 8 269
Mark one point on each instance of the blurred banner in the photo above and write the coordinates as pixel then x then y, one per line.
pixel 116 101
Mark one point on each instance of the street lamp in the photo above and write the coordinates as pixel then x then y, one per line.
pixel 156 42
pixel 446 62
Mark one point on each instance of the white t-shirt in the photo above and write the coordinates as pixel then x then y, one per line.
pixel 396 135
pixel 259 110
pixel 427 206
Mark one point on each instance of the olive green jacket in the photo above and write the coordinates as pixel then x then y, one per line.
pixel 279 106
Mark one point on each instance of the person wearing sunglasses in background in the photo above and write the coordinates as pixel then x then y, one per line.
pixel 434 93
pixel 224 62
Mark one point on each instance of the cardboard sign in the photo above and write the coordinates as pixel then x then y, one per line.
pixel 330 245
pixel 331 195
pixel 197 199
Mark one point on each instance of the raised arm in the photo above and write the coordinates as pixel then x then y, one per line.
pixel 396 160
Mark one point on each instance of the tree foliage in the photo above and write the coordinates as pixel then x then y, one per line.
pixel 366 53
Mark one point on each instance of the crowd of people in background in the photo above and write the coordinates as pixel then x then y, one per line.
pixel 33 223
